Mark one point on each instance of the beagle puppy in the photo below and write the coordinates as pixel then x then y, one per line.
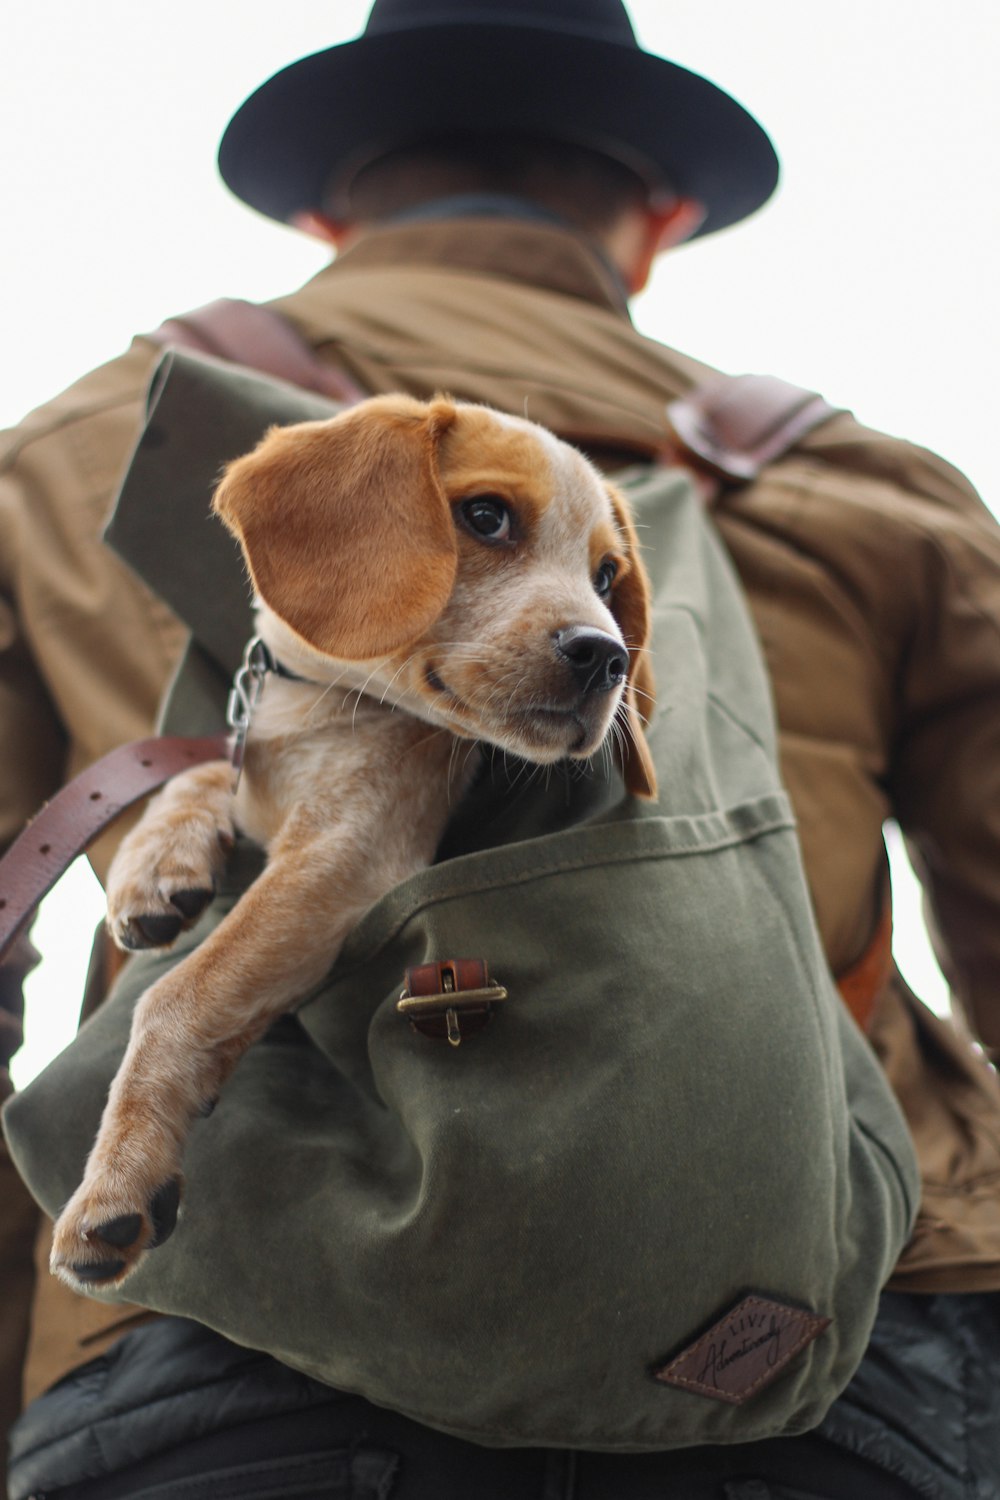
pixel 429 577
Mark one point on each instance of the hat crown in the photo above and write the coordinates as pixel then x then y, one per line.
pixel 562 70
pixel 604 20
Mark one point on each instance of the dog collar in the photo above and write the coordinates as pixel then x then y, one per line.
pixel 259 663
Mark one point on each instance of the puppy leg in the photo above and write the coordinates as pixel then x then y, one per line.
pixel 189 1030
pixel 164 873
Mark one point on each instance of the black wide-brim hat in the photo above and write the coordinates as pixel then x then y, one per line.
pixel 562 69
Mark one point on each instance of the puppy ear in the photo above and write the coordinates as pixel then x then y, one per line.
pixel 345 526
pixel 631 605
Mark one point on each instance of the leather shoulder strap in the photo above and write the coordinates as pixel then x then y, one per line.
pixel 734 425
pixel 77 813
pixel 244 333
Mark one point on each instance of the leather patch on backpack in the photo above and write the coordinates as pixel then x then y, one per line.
pixel 744 1351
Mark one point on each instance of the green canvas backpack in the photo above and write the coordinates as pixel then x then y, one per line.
pixel 652 1202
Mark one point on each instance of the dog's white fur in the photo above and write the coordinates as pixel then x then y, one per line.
pixel 416 636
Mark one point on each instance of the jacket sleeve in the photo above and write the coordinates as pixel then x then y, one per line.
pixel 874 572
pixel 32 739
pixel 85 647
pixel 945 775
pixel 921 552
pixel 85 651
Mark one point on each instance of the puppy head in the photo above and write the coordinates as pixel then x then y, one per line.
pixel 481 571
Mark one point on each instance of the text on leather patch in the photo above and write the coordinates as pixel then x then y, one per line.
pixel 744 1351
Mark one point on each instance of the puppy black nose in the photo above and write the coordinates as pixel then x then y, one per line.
pixel 597 661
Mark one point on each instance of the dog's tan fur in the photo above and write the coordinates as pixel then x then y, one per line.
pixel 371 589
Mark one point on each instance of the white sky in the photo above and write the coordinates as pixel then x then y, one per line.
pixel 870 277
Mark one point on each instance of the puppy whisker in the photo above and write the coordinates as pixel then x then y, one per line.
pixel 401 668
pixel 453 768
pixel 320 698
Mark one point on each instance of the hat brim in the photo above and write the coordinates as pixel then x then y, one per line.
pixel 321 119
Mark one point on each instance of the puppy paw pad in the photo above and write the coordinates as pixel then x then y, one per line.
pixel 149 931
pixel 120 1232
pixel 163 1211
pixel 192 903
pixel 97 1271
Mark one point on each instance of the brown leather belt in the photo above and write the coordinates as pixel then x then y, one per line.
pixel 77 814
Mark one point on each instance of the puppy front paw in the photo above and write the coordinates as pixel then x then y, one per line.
pixel 138 920
pixel 164 873
pixel 100 1236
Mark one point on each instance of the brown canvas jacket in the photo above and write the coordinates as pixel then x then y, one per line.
pixel 872 569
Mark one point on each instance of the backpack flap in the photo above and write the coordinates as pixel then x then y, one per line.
pixel 200 414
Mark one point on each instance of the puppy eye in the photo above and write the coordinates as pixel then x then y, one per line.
pixel 488 516
pixel 604 578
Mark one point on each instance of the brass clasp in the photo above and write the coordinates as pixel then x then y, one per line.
pixel 445 1013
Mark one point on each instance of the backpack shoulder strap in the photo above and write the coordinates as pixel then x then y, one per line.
pixel 734 425
pixel 245 333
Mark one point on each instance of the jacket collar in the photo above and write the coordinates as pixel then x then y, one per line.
pixel 540 254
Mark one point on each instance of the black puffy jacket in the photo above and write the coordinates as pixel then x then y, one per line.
pixel 924 1407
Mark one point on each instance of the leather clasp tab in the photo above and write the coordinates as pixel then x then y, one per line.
pixel 449 1000
pixel 735 425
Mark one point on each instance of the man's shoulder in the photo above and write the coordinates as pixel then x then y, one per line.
pixel 847 449
pixel 106 390
pixel 763 409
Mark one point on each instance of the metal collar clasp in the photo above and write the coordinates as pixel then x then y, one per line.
pixel 244 695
